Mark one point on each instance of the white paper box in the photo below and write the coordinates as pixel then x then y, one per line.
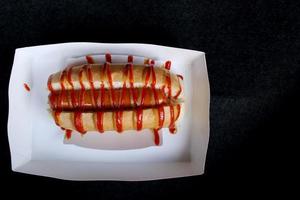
pixel 38 147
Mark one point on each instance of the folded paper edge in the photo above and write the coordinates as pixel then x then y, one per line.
pixel 19 151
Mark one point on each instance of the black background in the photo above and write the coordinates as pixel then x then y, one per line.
pixel 252 51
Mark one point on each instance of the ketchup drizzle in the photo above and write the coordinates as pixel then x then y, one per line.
pixel 63 90
pixel 49 83
pixel 99 121
pixel 161 117
pixel 69 78
pixel 99 114
pixel 89 59
pixel 139 119
pixel 68 134
pixel 78 122
pixel 119 121
pixel 108 57
pixel 181 77
pixel 78 115
pixel 168 65
pixel 133 91
pixel 156 136
pixel 26 87
pixel 172 127
pixel 112 91
pixel 57 117
pixel 91 81
pixel 168 84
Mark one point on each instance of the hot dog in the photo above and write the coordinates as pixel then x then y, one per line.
pixel 95 97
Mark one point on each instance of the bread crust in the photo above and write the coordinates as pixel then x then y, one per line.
pixel 118 78
pixel 129 119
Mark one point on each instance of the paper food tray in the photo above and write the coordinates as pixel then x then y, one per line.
pixel 38 146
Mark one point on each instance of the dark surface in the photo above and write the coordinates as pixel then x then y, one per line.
pixel 252 50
